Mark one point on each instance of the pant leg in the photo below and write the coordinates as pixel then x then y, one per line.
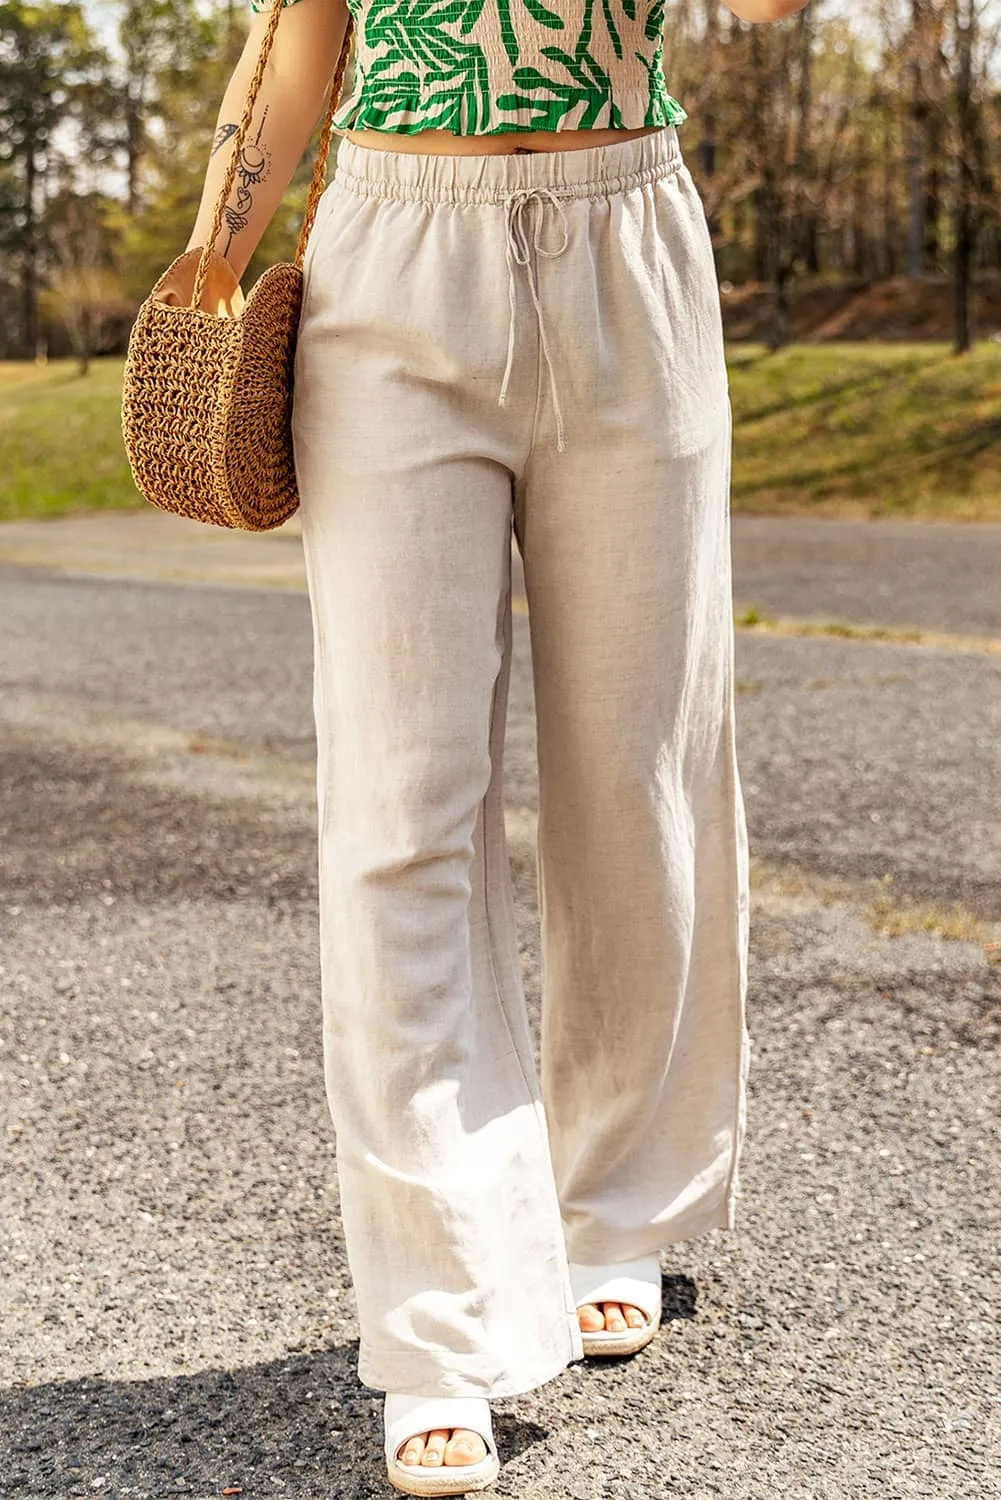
pixel 642 838
pixel 450 1213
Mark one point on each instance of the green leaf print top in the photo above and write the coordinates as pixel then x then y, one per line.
pixel 483 67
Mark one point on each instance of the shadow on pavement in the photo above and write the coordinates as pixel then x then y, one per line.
pixel 301 1426
pixel 297 1426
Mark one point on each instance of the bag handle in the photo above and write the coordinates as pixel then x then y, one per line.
pixel 319 169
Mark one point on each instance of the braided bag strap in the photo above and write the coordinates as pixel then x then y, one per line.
pixel 319 169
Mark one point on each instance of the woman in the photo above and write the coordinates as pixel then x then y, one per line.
pixel 511 321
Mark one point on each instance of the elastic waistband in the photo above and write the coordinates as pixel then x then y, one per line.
pixel 586 172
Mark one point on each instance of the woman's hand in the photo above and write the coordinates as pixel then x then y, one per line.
pixel 221 291
pixel 293 92
pixel 757 11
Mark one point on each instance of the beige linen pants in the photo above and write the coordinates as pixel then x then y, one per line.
pixel 530 341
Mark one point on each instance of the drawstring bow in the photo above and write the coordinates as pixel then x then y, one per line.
pixel 518 252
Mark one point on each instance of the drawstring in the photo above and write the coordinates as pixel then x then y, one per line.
pixel 518 250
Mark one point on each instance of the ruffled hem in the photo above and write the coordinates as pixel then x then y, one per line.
pixel 635 110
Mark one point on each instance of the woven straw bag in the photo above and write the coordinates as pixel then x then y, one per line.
pixel 207 387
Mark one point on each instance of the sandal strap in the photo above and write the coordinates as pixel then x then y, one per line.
pixel 406 1416
pixel 636 1282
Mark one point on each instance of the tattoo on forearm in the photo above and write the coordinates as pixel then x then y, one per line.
pixel 253 167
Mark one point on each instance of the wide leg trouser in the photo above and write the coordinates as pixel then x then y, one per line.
pixel 528 342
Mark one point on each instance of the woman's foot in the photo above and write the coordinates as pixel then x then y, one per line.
pixel 444 1446
pixel 439 1445
pixel 618 1306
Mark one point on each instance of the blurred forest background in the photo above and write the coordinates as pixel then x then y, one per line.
pixel 849 158
pixel 850 152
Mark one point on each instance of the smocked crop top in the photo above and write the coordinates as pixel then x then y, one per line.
pixel 483 67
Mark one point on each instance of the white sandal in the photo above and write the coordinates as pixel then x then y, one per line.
pixel 408 1416
pixel 634 1282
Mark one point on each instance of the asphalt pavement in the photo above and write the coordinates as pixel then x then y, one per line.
pixel 931 576
pixel 176 1316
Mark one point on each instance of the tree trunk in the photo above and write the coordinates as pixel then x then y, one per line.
pixel 889 210
pixel 707 145
pixel 768 226
pixel 964 13
pixel 933 190
pixel 29 258
pixel 916 142
pixel 915 195
pixel 859 251
pixel 133 153
pixel 803 156
pixel 762 268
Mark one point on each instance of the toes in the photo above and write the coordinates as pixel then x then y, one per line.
pixel 590 1318
pixel 434 1448
pixel 613 1316
pixel 465 1447
pixel 412 1450
pixel 614 1321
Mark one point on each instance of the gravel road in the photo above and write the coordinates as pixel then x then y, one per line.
pixel 176 1313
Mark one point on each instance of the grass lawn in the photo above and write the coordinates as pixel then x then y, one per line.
pixel 867 429
pixel 821 429
pixel 61 444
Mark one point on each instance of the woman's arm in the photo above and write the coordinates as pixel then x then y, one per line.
pixel 764 10
pixel 303 57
